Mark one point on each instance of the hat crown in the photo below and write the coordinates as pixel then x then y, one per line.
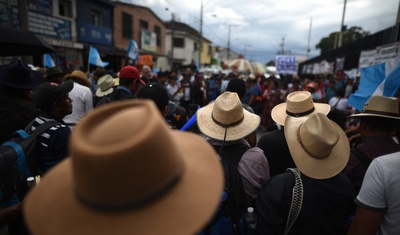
pixel 106 82
pixel 318 136
pixel 18 74
pixel 299 102
pixel 382 105
pixel 129 72
pixel 227 108
pixel 116 159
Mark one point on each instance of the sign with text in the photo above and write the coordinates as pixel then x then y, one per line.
pixel 286 64
pixel 94 34
pixel 49 26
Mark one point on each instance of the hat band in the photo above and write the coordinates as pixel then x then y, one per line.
pixel 112 207
pixel 305 148
pixel 300 114
pixel 227 125
pixel 381 113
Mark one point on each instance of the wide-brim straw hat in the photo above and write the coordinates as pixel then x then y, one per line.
pixel 106 85
pixel 79 76
pixel 128 173
pixel 319 147
pixel 298 104
pixel 380 106
pixel 226 116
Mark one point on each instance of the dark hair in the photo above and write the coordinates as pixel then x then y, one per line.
pixel 340 92
pixel 237 85
pixel 381 123
pixel 157 93
pixel 100 72
pixel 126 81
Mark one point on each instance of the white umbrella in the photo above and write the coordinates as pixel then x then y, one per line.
pixel 241 65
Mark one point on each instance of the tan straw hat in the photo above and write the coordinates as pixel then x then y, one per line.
pixel 106 84
pixel 226 116
pixel 298 104
pixel 128 173
pixel 380 106
pixel 319 147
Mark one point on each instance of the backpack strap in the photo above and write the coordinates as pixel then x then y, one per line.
pixel 361 156
pixel 297 200
pixel 41 128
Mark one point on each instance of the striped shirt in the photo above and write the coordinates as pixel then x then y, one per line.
pixel 53 142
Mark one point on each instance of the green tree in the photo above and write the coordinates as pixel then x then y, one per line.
pixel 352 34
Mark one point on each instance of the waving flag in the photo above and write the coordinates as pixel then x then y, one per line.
pixel 381 79
pixel 133 51
pixel 48 61
pixel 95 59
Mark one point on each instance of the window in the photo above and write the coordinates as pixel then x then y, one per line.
pixel 209 50
pixel 179 42
pixel 95 18
pixel 195 46
pixel 144 24
pixel 65 8
pixel 126 25
pixel 157 30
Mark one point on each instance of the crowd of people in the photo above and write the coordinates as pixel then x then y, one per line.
pixel 292 148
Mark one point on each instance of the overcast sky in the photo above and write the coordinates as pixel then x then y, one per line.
pixel 258 26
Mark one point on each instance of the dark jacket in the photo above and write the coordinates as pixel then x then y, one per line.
pixel 16 112
pixel 327 205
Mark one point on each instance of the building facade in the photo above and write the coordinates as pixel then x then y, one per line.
pixel 145 27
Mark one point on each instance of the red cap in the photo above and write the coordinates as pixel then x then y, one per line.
pixel 130 72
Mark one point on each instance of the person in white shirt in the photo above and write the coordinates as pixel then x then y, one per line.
pixel 81 96
pixel 378 202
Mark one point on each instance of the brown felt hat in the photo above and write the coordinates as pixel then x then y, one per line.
pixel 128 173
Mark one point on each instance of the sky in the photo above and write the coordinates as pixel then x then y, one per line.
pixel 258 27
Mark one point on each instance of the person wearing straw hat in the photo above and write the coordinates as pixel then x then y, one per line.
pixel 81 96
pixel 314 198
pixel 106 86
pixel 129 83
pixel 143 178
pixel 379 118
pixel 298 104
pixel 226 124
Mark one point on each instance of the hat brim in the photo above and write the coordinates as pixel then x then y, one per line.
pixel 53 208
pixel 100 93
pixel 312 167
pixel 279 114
pixel 209 128
pixel 66 87
pixel 360 115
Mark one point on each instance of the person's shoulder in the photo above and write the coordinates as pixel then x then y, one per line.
pixel 389 161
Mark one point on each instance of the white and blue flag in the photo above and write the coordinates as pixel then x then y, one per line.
pixel 380 79
pixel 48 61
pixel 95 59
pixel 133 51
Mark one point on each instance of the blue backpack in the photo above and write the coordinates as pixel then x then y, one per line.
pixel 20 159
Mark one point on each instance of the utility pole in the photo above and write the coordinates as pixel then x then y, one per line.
pixel 341 26
pixel 229 39
pixel 200 35
pixel 309 38
pixel 171 62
